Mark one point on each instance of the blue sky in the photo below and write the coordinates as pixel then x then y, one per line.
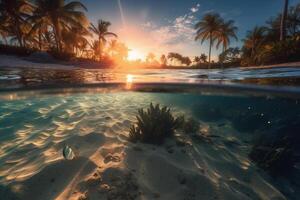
pixel 162 26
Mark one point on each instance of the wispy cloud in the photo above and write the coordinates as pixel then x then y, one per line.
pixel 177 32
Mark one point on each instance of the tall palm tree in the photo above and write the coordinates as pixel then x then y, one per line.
pixel 208 29
pixel 283 20
pixel 294 20
pixel 101 30
pixel 58 15
pixel 227 31
pixel 254 40
pixel 15 12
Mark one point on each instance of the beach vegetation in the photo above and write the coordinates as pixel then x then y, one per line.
pixel 178 59
pixel 62 29
pixel 101 30
pixel 278 41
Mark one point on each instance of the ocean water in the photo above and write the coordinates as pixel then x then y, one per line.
pixel 247 145
pixel 249 140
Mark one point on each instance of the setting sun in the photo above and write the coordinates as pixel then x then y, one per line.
pixel 134 55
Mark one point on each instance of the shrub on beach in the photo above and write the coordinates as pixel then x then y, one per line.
pixel 154 125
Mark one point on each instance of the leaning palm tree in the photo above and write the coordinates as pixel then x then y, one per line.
pixel 227 31
pixel 283 20
pixel 208 29
pixel 101 30
pixel 58 15
pixel 15 12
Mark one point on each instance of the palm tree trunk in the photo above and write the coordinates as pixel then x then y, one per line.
pixel 222 61
pixel 283 21
pixel 57 34
pixel 18 35
pixel 100 48
pixel 40 39
pixel 5 40
pixel 210 45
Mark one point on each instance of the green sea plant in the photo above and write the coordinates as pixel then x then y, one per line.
pixel 154 125
pixel 190 126
pixel 278 153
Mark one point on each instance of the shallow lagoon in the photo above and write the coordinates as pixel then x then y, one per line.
pixel 94 122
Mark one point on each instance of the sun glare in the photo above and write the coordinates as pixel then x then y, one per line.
pixel 134 55
pixel 129 78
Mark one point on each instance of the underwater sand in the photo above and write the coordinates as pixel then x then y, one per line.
pixel 215 165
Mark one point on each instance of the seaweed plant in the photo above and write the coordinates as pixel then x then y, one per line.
pixel 278 153
pixel 190 126
pixel 154 125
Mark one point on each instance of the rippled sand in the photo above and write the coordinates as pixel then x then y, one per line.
pixel 34 132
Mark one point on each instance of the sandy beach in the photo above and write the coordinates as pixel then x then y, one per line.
pixel 9 61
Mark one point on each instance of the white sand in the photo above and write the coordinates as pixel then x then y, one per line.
pixel 18 62
pixel 118 170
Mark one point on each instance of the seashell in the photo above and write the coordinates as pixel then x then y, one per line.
pixel 68 153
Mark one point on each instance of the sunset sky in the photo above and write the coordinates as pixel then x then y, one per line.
pixel 162 26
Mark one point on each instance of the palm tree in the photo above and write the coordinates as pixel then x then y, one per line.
pixel 58 15
pixel 95 48
pixel 150 58
pixel 227 31
pixel 74 40
pixel 101 30
pixel 203 58
pixel 197 59
pixel 15 12
pixel 163 60
pixel 122 52
pixel 283 20
pixel 293 20
pixel 113 47
pixel 255 40
pixel 208 29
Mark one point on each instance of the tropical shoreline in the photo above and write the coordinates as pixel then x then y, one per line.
pixel 9 61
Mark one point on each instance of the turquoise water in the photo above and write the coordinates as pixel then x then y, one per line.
pixel 36 125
